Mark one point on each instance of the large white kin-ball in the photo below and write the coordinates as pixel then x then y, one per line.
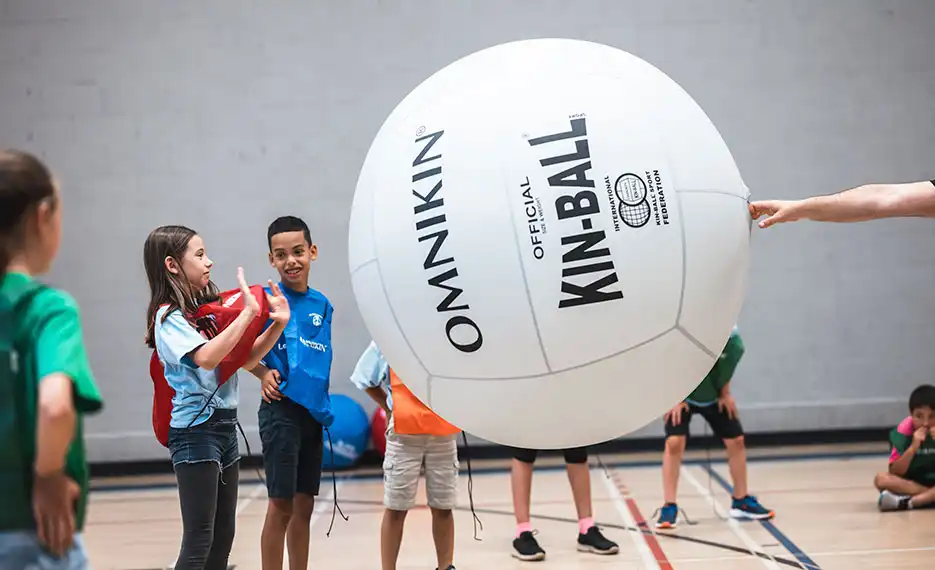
pixel 549 242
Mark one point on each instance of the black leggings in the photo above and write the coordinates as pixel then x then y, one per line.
pixel 209 508
pixel 572 456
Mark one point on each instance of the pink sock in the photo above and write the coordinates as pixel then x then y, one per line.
pixel 523 527
pixel 585 524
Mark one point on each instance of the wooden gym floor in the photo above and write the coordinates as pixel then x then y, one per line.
pixel 825 505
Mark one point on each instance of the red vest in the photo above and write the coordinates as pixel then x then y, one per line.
pixel 210 319
pixel 411 416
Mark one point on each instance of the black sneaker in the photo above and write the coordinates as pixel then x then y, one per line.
pixel 450 567
pixel 595 542
pixel 525 547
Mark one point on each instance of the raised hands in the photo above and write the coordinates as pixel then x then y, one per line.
pixel 250 304
pixel 278 305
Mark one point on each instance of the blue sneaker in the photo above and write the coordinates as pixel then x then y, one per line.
pixel 668 516
pixel 749 508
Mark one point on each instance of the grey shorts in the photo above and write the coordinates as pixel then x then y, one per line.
pixel 403 462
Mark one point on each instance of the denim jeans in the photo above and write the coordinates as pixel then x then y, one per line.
pixel 205 458
pixel 212 440
pixel 20 550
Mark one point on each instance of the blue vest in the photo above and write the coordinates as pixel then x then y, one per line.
pixel 302 355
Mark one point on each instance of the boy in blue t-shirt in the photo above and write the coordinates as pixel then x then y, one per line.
pixel 295 378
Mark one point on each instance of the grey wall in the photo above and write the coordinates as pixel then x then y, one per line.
pixel 223 114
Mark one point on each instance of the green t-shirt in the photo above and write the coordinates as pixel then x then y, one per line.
pixel 922 467
pixel 46 337
pixel 721 373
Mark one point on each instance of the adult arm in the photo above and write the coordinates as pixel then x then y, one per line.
pixel 863 203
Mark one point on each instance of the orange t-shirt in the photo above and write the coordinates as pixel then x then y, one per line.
pixel 411 416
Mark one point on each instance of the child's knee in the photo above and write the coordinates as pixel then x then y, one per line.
pixel 280 511
pixel 734 443
pixel 395 516
pixel 442 514
pixel 882 480
pixel 675 445
pixel 303 506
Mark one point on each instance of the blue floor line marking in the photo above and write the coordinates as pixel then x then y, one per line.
pixel 378 475
pixel 769 526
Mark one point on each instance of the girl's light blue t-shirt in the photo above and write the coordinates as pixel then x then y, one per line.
pixel 176 339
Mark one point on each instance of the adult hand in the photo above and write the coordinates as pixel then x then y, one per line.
pixel 776 211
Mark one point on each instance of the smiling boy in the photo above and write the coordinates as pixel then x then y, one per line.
pixel 296 405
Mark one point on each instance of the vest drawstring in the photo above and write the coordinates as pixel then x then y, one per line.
pixel 247 444
pixel 334 480
pixel 467 457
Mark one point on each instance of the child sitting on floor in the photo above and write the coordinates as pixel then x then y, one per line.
pixel 910 481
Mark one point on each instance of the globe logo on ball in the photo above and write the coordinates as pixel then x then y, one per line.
pixel 549 242
pixel 631 192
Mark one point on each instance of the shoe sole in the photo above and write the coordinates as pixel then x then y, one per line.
pixel 738 514
pixel 665 526
pixel 887 508
pixel 529 557
pixel 592 550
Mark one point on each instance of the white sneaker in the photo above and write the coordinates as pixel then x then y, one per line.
pixel 889 501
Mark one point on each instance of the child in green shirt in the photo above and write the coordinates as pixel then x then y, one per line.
pixel 46 385
pixel 713 401
pixel 910 481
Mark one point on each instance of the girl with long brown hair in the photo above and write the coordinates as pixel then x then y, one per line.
pixel 202 430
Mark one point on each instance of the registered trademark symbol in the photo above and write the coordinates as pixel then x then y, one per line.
pixel 420 131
